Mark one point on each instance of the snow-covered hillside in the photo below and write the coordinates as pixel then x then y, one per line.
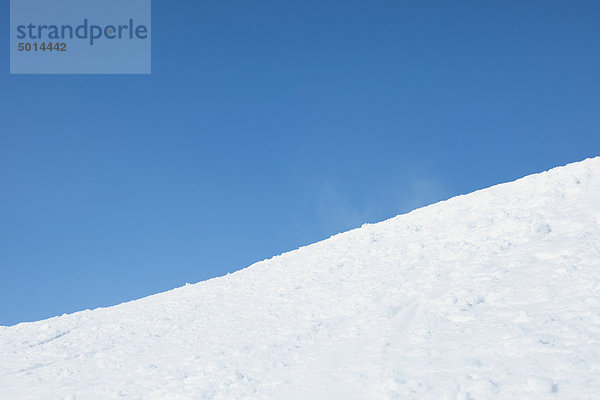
pixel 495 294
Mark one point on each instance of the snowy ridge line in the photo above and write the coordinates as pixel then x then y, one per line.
pixel 493 294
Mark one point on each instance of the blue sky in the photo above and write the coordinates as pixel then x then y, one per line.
pixel 268 125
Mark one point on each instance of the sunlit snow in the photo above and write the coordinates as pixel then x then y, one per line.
pixel 495 294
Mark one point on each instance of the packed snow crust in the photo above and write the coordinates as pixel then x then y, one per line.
pixel 495 294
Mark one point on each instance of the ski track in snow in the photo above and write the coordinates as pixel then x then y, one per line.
pixel 495 294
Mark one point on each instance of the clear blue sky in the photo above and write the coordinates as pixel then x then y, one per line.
pixel 267 125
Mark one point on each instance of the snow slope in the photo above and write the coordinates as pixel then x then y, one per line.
pixel 495 294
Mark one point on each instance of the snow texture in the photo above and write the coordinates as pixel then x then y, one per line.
pixel 495 294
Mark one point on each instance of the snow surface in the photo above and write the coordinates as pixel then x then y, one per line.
pixel 495 294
